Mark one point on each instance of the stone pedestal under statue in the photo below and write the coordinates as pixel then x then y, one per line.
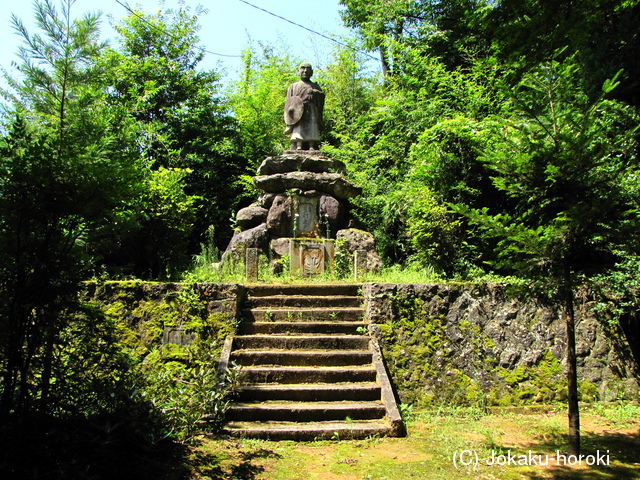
pixel 304 207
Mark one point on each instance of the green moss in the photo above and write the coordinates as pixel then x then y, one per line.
pixel 540 383
pixel 153 316
pixel 425 367
pixel 217 325
pixel 588 392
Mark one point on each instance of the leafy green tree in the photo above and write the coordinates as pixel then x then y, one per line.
pixel 564 161
pixel 182 122
pixel 257 100
pixel 65 164
pixel 601 34
pixel 350 92
pixel 442 29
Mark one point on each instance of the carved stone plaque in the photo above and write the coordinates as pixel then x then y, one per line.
pixel 311 257
pixel 312 260
pixel 306 216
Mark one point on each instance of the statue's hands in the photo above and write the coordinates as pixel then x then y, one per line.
pixel 288 130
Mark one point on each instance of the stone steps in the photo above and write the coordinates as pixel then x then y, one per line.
pixel 279 411
pixel 362 391
pixel 304 342
pixel 309 431
pixel 338 289
pixel 302 357
pixel 303 301
pixel 308 374
pixel 297 314
pixel 309 369
pixel 288 327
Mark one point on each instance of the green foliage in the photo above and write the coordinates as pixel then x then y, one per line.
pixel 617 291
pixel 257 101
pixel 622 414
pixel 65 165
pixel 560 161
pixel 149 236
pixel 186 391
pixel 182 124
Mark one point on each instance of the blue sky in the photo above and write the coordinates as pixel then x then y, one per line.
pixel 225 29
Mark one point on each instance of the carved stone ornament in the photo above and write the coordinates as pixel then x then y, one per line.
pixel 293 110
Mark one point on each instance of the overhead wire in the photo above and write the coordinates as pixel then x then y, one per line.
pixel 202 49
pixel 309 29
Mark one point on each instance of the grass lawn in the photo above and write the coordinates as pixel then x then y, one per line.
pixel 506 437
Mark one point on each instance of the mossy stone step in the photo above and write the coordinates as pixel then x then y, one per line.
pixel 307 431
pixel 308 374
pixel 304 301
pixel 301 342
pixel 302 357
pixel 306 411
pixel 264 328
pixel 342 289
pixel 329 392
pixel 292 314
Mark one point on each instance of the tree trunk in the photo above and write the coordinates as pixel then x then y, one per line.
pixel 572 373
pixel 384 61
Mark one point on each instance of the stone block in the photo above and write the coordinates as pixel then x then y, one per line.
pixel 251 265
pixel 250 217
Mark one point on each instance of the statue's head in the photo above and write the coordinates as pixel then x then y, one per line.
pixel 305 71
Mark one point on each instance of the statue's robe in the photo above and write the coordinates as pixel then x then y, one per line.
pixel 309 126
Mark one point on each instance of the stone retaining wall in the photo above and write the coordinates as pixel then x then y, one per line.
pixel 443 343
pixel 482 344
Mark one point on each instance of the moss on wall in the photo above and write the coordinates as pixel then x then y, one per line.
pixel 165 317
pixel 486 345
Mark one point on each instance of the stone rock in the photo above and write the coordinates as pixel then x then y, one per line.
pixel 280 246
pixel 508 358
pixel 331 183
pixel 256 237
pixel 355 239
pixel 301 163
pixel 251 216
pixel 279 217
pixel 334 211
pixel 267 200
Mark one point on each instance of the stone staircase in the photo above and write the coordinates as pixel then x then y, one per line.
pixel 310 369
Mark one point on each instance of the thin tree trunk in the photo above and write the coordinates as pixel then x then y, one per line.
pixel 386 71
pixel 572 373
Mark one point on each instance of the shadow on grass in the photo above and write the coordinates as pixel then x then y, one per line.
pixel 46 448
pixel 235 464
pixel 622 463
pixel 114 448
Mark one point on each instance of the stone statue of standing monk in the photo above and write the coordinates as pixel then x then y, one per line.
pixel 303 111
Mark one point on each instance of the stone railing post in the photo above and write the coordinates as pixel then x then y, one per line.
pixel 359 264
pixel 251 265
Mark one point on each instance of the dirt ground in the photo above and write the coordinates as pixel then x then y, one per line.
pixel 451 446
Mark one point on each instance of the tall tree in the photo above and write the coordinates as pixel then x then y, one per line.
pixel 602 34
pixel 183 123
pixel 444 29
pixel 565 161
pixel 65 164
pixel 257 99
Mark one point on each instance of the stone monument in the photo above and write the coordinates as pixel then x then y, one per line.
pixel 304 206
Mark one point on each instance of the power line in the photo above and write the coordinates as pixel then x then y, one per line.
pixel 309 30
pixel 204 50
